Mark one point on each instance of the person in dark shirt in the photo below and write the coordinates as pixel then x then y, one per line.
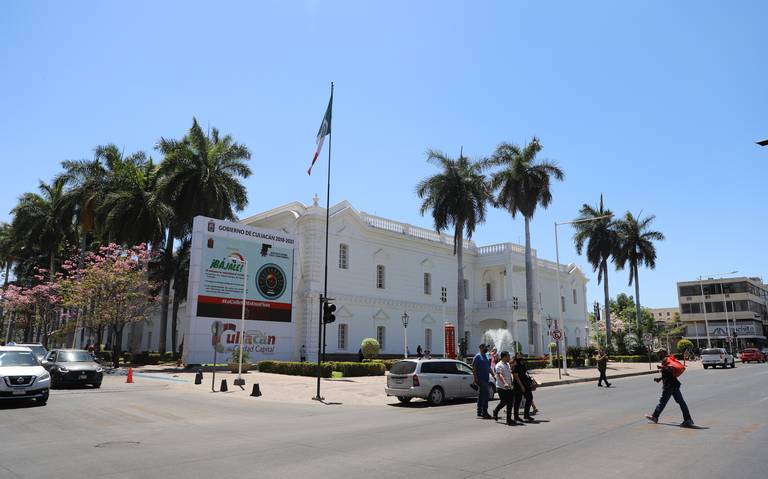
pixel 602 365
pixel 522 389
pixel 670 388
pixel 481 369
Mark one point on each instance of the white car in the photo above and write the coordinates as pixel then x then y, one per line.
pixel 432 379
pixel 22 376
pixel 717 357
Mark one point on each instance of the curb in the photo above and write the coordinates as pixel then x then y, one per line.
pixel 586 380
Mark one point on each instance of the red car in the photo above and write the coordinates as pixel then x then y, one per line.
pixel 752 354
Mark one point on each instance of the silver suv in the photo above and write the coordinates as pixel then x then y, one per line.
pixel 21 376
pixel 432 379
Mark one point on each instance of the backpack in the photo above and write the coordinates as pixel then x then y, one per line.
pixel 675 366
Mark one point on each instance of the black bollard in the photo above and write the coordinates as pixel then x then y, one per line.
pixel 199 377
pixel 256 391
pixel 223 387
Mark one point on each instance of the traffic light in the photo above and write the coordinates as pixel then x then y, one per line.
pixel 597 311
pixel 328 310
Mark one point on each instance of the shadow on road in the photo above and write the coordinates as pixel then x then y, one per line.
pixel 682 427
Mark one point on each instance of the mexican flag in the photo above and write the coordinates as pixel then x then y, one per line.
pixel 325 130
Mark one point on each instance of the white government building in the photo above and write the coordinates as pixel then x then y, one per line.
pixel 380 268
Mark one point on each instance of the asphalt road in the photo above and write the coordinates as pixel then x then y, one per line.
pixel 165 430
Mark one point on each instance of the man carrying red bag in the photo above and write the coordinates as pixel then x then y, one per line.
pixel 670 369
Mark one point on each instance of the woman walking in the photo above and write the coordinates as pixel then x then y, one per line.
pixel 522 389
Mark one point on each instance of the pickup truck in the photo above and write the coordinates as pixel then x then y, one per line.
pixel 717 357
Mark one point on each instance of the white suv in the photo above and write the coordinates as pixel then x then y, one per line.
pixel 717 357
pixel 432 379
pixel 22 376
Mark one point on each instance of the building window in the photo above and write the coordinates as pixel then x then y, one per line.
pixel 380 276
pixel 515 302
pixel 427 283
pixel 488 296
pixel 562 303
pixel 343 256
pixel 466 289
pixel 428 339
pixel 342 342
pixel 380 335
pixel 574 296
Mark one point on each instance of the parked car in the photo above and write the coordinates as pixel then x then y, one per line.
pixel 765 353
pixel 38 349
pixel 73 367
pixel 21 376
pixel 752 354
pixel 435 380
pixel 717 357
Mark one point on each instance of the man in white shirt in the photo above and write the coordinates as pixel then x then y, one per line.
pixel 504 387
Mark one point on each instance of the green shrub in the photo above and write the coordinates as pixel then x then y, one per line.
pixel 370 348
pixel 386 362
pixel 168 356
pixel 635 358
pixel 537 363
pixel 146 357
pixel 295 369
pixel 684 344
pixel 235 356
pixel 350 370
pixel 105 356
pixel 127 358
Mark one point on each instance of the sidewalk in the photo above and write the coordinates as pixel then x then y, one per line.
pixel 361 391
pixel 549 377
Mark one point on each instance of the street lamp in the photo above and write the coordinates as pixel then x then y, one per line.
pixel 549 333
pixel 557 254
pixel 404 317
pixel 240 381
pixel 704 305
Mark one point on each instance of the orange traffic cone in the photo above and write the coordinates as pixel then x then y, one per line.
pixel 129 380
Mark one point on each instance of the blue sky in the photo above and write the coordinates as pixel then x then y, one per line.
pixel 655 104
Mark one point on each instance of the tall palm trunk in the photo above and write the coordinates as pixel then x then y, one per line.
pixel 529 283
pixel 607 299
pixel 174 318
pixel 459 245
pixel 165 297
pixel 637 299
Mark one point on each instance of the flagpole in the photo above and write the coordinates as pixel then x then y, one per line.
pixel 324 299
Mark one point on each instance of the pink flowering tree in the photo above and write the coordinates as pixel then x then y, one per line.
pixel 112 289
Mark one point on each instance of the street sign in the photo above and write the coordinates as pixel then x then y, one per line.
pixel 647 339
pixel 557 335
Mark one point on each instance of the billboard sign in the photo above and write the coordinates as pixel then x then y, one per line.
pixel 225 257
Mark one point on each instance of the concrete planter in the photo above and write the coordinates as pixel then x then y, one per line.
pixel 234 367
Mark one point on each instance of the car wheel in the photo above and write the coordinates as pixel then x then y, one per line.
pixel 404 399
pixel 96 385
pixel 54 381
pixel 436 396
pixel 733 364
pixel 706 366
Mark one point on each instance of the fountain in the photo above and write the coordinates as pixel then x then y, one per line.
pixel 500 338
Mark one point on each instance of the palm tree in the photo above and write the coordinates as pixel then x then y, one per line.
pixel 200 175
pixel 43 221
pixel 601 241
pixel 6 250
pixel 180 283
pixel 133 211
pixel 636 248
pixel 457 196
pixel 522 184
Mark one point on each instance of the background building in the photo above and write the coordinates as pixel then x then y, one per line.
pixel 726 305
pixel 665 315
pixel 379 269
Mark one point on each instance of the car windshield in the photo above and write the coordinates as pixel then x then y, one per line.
pixel 74 357
pixel 403 367
pixel 17 358
pixel 711 351
pixel 37 349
